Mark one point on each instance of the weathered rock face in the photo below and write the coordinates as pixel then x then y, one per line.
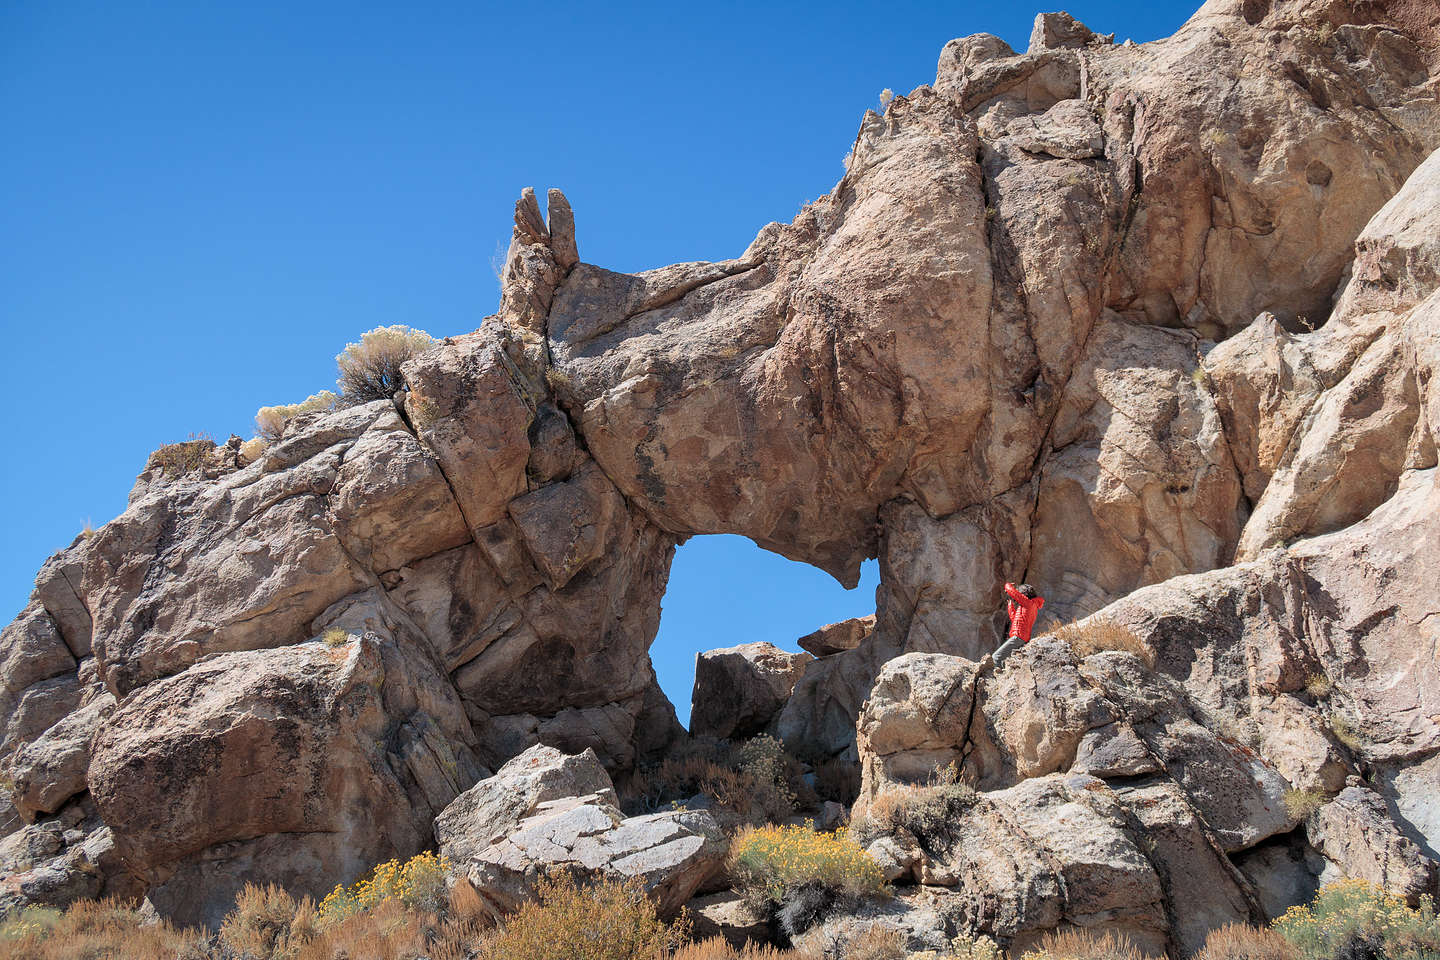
pixel 1052 325
pixel 340 755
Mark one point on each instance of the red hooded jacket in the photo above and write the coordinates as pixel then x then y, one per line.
pixel 1023 610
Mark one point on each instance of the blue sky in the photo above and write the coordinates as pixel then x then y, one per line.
pixel 201 203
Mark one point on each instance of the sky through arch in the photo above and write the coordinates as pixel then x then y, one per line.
pixel 724 591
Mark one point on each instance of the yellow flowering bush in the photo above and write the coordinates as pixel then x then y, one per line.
pixel 419 883
pixel 770 861
pixel 1354 912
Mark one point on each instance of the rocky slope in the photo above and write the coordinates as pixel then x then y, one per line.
pixel 1152 327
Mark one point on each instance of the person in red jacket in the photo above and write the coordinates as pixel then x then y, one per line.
pixel 1022 607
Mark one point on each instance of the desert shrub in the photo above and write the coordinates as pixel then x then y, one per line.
pixel 716 948
pixel 1093 636
pixel 606 920
pixel 1237 941
pixel 764 759
pixel 1351 917
pixel 1299 804
pixel 754 779
pixel 187 456
pixel 778 864
pixel 1318 686
pixel 270 421
pixel 838 779
pixel 1085 945
pixel 924 810
pixel 105 929
pixel 388 931
pixel 253 449
pixel 260 921
pixel 419 883
pixel 370 369
pixel 335 637
pixel 974 948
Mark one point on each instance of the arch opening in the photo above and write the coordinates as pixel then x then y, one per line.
pixel 724 590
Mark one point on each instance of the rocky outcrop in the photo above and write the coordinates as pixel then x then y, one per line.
pixel 339 755
pixel 739 690
pixel 1151 327
pixel 546 812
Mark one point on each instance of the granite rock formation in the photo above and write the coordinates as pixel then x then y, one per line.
pixel 1152 327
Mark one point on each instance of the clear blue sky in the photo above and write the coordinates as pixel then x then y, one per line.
pixel 200 203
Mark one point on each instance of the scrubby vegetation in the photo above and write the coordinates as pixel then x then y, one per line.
pixel 97 929
pixel 1095 635
pixel 1085 945
pixel 270 421
pixel 756 779
pixel 187 456
pixel 404 911
pixel 603 921
pixel 801 877
pixel 1299 804
pixel 419 883
pixel 1236 941
pixel 370 369
pixel 922 810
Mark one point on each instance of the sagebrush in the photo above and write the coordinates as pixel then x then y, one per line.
pixel 1087 637
pixel 370 368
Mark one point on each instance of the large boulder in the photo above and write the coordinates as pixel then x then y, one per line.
pixel 739 690
pixel 545 811
pixel 303 765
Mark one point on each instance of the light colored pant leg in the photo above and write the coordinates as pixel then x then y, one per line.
pixel 1007 648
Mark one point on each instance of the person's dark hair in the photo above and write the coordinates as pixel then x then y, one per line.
pixel 1026 589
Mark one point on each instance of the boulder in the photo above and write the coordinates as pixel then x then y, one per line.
pixel 836 638
pixel 337 770
pixel 494 807
pixel 739 690
pixel 545 811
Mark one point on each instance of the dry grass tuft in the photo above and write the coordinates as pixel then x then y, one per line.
pixel 1091 636
pixel 1085 945
pixel 1237 941
pixel 252 450
pixel 717 949
pixel 923 810
pixel 105 929
pixel 1299 804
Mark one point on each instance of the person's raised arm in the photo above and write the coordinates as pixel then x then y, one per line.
pixel 1015 595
